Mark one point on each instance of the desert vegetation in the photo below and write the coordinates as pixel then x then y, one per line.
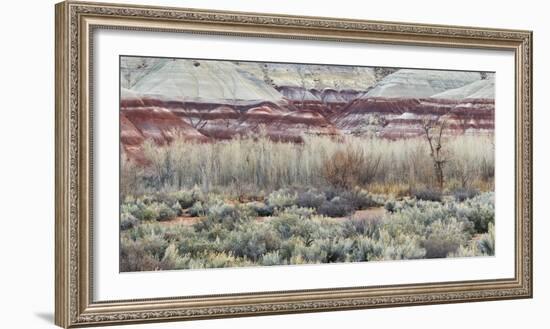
pixel 253 201
pixel 299 227
pixel 257 165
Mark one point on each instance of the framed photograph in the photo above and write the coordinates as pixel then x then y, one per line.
pixel 218 164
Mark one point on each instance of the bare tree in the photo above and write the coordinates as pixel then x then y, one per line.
pixel 433 131
pixel 198 121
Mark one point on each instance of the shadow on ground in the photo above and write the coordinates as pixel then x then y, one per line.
pixel 46 316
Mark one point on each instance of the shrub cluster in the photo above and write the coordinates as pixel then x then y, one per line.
pixel 330 202
pixel 228 234
pixel 463 194
pixel 155 207
pixel 428 194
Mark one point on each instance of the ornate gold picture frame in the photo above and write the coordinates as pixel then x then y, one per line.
pixel 76 22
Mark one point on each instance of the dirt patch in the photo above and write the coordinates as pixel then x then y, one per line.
pixel 370 213
pixel 187 221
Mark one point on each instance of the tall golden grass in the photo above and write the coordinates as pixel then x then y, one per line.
pixel 260 164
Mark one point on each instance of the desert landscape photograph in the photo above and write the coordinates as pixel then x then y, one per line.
pixel 236 163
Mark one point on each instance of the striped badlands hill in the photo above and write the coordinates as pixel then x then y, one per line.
pixel 205 100
pixel 140 120
pixel 468 108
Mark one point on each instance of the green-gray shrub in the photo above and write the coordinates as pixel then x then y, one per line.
pixel 463 194
pixel 336 207
pixel 479 210
pixel 197 210
pixel 487 241
pixel 165 212
pixel 444 237
pixel 127 221
pixel 272 258
pixel 363 226
pixel 219 212
pixel 334 250
pixel 428 195
pixel 251 242
pixel 367 249
pixel 229 234
pixel 186 198
pixel 310 199
pixel 261 209
pixel 281 199
pixel 390 206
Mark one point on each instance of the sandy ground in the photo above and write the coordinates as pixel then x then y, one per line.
pixel 367 213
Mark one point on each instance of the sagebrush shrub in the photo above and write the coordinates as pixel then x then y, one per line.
pixel 428 195
pixel 463 194
pixel 281 199
pixel 251 242
pixel 150 212
pixel 361 199
pixel 165 212
pixel 310 199
pixel 186 198
pixel 390 206
pixel 198 209
pixel 364 226
pixel 261 209
pixel 482 217
pixel 133 257
pixel 230 233
pixel 402 246
pixel 337 207
pixel 444 238
pixel 127 221
pixel 219 212
pixel 334 250
pixel 272 258
pixel 176 207
pixel 293 223
pixel 487 241
pixel 367 249
pixel 173 260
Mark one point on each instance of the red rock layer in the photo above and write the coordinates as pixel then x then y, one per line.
pixel 160 125
pixel 161 121
pixel 404 117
